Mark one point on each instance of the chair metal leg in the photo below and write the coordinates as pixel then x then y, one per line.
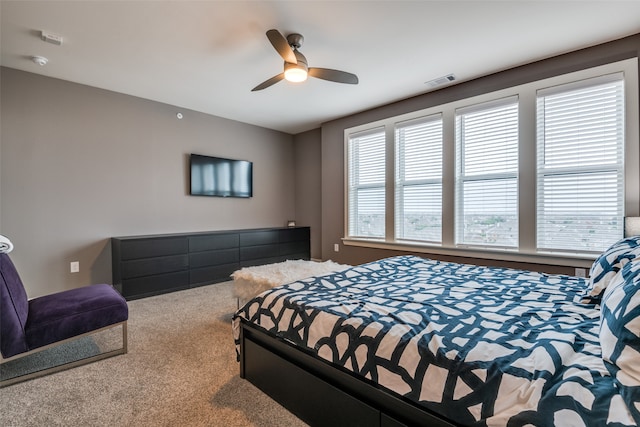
pixel 69 365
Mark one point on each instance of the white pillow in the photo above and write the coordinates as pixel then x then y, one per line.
pixel 620 333
pixel 607 265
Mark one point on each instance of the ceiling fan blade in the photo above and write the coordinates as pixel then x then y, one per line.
pixel 265 84
pixel 281 46
pixel 333 75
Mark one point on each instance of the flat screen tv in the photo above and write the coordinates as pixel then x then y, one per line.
pixel 215 176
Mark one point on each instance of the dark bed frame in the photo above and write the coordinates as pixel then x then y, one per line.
pixel 321 394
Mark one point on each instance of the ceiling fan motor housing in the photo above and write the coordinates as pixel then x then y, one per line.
pixel 295 40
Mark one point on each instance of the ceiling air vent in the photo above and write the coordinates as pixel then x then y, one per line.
pixel 440 81
pixel 51 38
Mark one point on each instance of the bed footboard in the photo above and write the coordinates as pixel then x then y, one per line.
pixel 318 393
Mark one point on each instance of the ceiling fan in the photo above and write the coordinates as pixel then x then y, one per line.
pixel 296 68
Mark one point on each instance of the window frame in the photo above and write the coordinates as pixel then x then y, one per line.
pixel 577 171
pixel 462 177
pixel 401 183
pixel 367 186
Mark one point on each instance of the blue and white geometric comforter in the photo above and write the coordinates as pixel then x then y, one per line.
pixel 479 345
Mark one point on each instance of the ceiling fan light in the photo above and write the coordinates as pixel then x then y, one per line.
pixel 295 74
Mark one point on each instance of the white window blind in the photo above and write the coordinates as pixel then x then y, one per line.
pixel 419 179
pixel 580 196
pixel 487 174
pixel 366 190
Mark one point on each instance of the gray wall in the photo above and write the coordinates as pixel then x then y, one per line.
pixel 307 149
pixel 333 142
pixel 81 164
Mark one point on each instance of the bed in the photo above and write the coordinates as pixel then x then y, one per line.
pixel 413 341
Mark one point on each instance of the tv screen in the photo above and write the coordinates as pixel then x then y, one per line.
pixel 215 176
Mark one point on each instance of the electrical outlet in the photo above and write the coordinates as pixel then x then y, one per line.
pixel 336 247
pixel 581 272
pixel 74 266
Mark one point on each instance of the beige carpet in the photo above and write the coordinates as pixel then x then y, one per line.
pixel 180 370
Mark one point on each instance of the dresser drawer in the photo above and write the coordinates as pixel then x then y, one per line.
pixel 153 285
pixel 213 241
pixel 259 238
pixel 212 258
pixel 148 248
pixel 294 234
pixel 256 252
pixel 219 273
pixel 150 266
pixel 294 248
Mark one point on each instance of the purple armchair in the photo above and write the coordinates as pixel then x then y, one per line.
pixel 29 326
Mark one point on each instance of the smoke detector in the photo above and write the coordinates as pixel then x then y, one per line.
pixel 40 60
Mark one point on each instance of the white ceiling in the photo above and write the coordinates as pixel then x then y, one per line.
pixel 208 55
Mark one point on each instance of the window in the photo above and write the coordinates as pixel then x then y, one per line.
pixel 542 172
pixel 580 197
pixel 366 192
pixel 419 179
pixel 487 174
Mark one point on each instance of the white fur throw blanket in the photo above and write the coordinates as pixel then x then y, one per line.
pixel 250 281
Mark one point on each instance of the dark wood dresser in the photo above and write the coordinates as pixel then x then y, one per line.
pixel 156 264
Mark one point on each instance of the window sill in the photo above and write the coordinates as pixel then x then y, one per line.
pixel 544 258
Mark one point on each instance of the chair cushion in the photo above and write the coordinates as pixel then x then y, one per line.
pixel 74 312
